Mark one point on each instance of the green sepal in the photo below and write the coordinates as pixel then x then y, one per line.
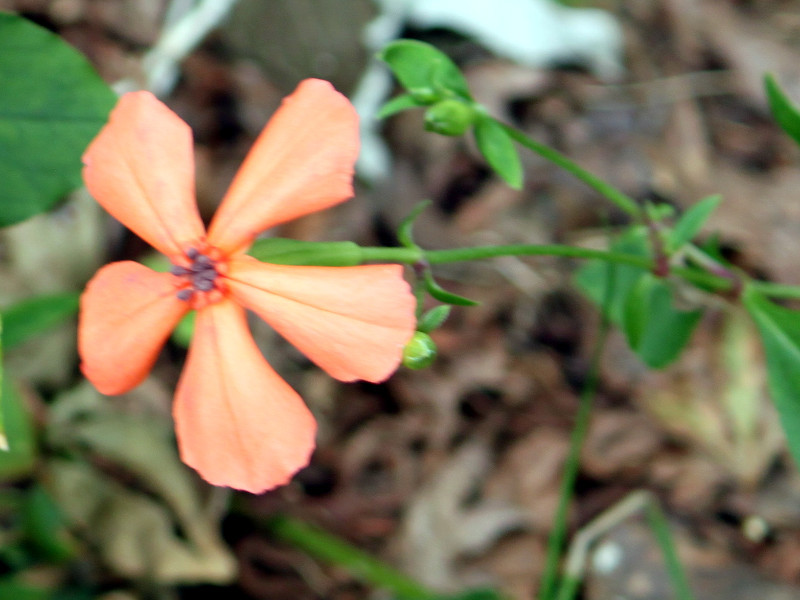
pixel 420 351
pixel 427 73
pixel 498 149
pixel 284 251
pixel 434 318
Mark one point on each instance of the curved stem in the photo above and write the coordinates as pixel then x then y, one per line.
pixel 622 201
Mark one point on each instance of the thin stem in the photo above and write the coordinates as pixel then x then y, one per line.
pixel 622 201
pixel 555 542
pixel 326 547
pixel 660 526
pixel 710 281
pixel 776 290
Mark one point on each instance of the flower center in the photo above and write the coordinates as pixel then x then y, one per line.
pixel 198 277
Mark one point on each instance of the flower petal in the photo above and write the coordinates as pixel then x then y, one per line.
pixel 140 168
pixel 238 423
pixel 301 163
pixel 351 321
pixel 127 312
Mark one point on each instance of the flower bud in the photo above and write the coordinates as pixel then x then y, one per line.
pixel 420 351
pixel 449 117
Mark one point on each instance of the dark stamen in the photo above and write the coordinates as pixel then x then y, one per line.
pixel 179 270
pixel 200 274
pixel 203 285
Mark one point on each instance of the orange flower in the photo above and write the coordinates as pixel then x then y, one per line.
pixel 237 422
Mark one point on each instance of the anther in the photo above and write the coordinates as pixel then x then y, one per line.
pixel 185 294
pixel 179 270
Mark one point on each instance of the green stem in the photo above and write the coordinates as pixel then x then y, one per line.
pixel 622 201
pixel 434 257
pixel 326 547
pixel 776 290
pixel 660 526
pixel 555 542
pixel 703 279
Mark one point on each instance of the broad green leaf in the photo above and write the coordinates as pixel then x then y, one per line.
pixel 21 454
pixel 11 588
pixel 398 104
pixel 785 112
pixel 655 329
pixel 427 73
pixel 498 149
pixel 46 526
pixel 284 251
pixel 692 221
pixel 52 103
pixel 28 318
pixel 593 277
pixel 780 334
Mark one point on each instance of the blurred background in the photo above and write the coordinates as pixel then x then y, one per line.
pixel 449 474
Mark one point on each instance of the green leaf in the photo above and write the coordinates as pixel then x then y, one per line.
pixel 398 104
pixel 52 103
pixel 593 277
pixel 692 221
pixel 785 112
pixel 283 251
pixel 427 73
pixel 442 295
pixel 10 588
pixel 434 318
pixel 780 334
pixel 641 304
pixel 655 329
pixel 28 318
pixel 46 526
pixel 21 455
pixel 498 149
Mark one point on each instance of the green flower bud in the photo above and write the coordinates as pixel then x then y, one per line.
pixel 449 117
pixel 420 352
